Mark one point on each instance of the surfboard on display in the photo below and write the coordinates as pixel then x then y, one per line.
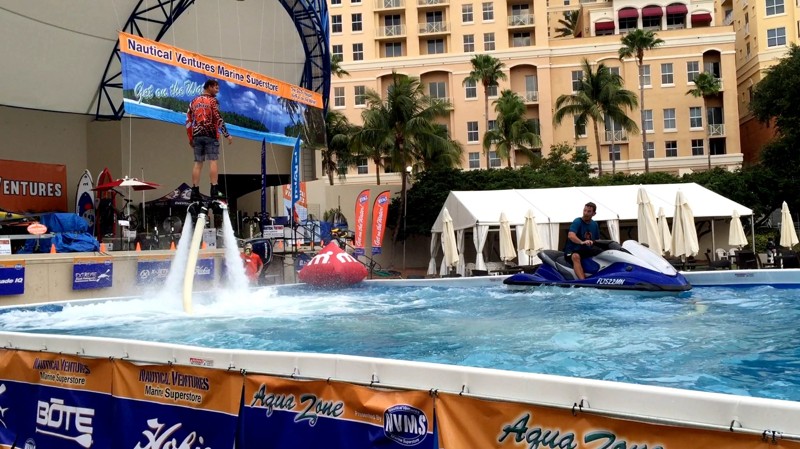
pixel 84 199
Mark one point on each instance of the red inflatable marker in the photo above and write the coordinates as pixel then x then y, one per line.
pixel 332 267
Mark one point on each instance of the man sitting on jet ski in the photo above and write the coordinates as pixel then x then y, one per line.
pixel 578 247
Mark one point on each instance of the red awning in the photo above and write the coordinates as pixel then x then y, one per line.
pixel 677 8
pixel 702 17
pixel 652 11
pixel 628 13
pixel 604 26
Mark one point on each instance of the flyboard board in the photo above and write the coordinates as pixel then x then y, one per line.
pixel 105 205
pixel 84 199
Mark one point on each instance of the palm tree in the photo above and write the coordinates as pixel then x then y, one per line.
pixel 568 24
pixel 599 94
pixel 428 155
pixel 513 131
pixel 634 44
pixel 486 70
pixel 705 85
pixel 615 101
pixel 336 67
pixel 339 132
pixel 396 124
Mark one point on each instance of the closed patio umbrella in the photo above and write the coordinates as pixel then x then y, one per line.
pixel 664 236
pixel 684 234
pixel 449 245
pixel 646 222
pixel 736 235
pixel 530 242
pixel 507 251
pixel 788 234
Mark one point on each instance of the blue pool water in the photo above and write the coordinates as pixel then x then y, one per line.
pixel 739 341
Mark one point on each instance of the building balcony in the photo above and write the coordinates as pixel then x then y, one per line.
pixel 616 136
pixel 728 18
pixel 434 28
pixel 383 5
pixel 421 4
pixel 521 20
pixel 532 96
pixel 716 130
pixel 391 31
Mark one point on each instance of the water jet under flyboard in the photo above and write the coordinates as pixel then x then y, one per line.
pixel 199 212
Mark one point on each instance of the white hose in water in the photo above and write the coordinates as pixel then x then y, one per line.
pixel 191 262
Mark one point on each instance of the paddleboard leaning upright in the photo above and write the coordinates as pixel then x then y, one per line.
pixel 84 199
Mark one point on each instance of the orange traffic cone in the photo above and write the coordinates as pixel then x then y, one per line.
pixel 103 248
pixel 53 248
pixel 172 246
pixel 204 246
pixel 138 246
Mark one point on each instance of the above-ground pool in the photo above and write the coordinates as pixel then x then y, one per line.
pixel 737 341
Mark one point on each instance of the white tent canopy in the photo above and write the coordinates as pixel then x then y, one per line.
pixel 478 211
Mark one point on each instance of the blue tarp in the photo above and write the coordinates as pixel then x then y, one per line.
pixel 71 234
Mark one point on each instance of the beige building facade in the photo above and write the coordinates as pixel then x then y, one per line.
pixel 434 40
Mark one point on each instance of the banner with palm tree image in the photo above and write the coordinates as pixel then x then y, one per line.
pixel 159 81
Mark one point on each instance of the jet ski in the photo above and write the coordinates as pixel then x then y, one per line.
pixel 628 267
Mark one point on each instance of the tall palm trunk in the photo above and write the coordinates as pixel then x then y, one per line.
pixel 611 153
pixel 486 117
pixel 645 153
pixel 599 149
pixel 377 172
pixel 330 175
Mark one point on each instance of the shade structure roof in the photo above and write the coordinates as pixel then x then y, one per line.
pixel 56 53
pixel 562 205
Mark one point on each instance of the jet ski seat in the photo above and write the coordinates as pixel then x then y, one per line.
pixel 557 260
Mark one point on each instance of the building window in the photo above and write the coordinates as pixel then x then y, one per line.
pixel 644 80
pixel 488 11
pixel 774 7
pixel 336 23
pixel 491 90
pixel 356 22
pixel 614 70
pixel 695 117
pixel 651 150
pixel 469 43
pixel 648 120
pixel 338 97
pixel 676 21
pixel 435 46
pixel 692 71
pixel 474 160
pixel 776 37
pixel 472 132
pixel 521 39
pixel 394 49
pixel 355 2
pixel 581 150
pixel 336 2
pixel 492 124
pixel 580 128
pixel 363 169
pixel 471 89
pixel 466 13
pixel 697 147
pixel 667 76
pixel 437 89
pixel 669 119
pixel 747 45
pixel 337 51
pixel 672 148
pixel 614 152
pixel 653 22
pixel 577 78
pixel 358 52
pixel 628 24
pixel 361 95
pixel 494 160
pixel 488 41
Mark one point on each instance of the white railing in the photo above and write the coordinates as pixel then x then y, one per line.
pixel 728 18
pixel 716 130
pixel 618 136
pixel 391 31
pixel 389 4
pixel 432 2
pixel 532 96
pixel 516 20
pixel 434 27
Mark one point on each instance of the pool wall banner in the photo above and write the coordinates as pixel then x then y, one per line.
pixel 281 412
pixel 204 270
pixel 160 406
pixel 12 277
pixel 360 231
pixel 32 187
pixel 55 401
pixel 469 422
pixel 380 210
pixel 92 272
pixel 152 270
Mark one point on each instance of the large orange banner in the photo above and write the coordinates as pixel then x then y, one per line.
pixel 32 187
pixel 360 232
pixel 465 422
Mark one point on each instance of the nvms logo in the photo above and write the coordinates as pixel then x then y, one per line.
pixel 405 424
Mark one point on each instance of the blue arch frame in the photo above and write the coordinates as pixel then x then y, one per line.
pixel 310 17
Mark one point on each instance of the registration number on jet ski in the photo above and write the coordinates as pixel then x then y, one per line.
pixel 611 281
